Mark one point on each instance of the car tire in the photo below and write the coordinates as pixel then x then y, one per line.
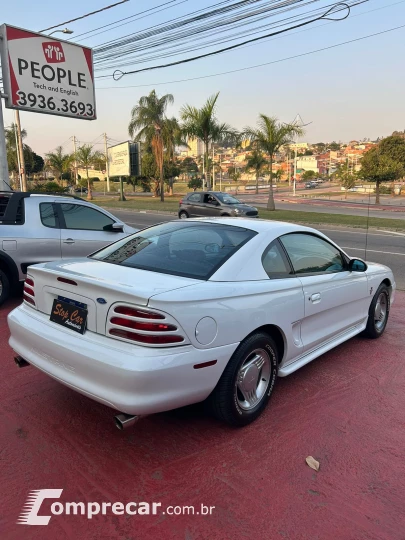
pixel 225 215
pixel 5 288
pixel 183 215
pixel 254 364
pixel 378 313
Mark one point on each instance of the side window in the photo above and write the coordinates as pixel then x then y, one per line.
pixel 275 262
pixel 310 254
pixel 48 214
pixel 210 199
pixel 82 217
pixel 196 197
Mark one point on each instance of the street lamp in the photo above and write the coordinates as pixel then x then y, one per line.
pixel 64 31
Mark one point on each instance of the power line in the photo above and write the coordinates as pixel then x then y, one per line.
pixel 127 19
pixel 324 16
pixel 87 15
pixel 259 65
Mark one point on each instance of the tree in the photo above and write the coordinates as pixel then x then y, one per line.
pixel 308 175
pixel 334 146
pixel 269 136
pixel 38 164
pixel 148 124
pixel 195 183
pixel 203 124
pixel 378 167
pixel 346 178
pixel 12 149
pixel 58 162
pixel 150 170
pixel 188 166
pixel 256 162
pixel 394 148
pixel 86 157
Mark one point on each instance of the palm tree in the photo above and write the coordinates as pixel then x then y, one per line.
pixel 59 162
pixel 147 124
pixel 86 158
pixel 202 124
pixel 256 162
pixel 270 135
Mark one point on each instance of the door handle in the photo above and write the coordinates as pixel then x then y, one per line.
pixel 69 241
pixel 316 297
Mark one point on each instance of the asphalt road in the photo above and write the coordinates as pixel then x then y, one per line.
pixel 382 246
pixel 324 207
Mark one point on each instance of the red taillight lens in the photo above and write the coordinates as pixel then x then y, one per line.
pixel 181 202
pixel 29 292
pixel 66 280
pixel 144 338
pixel 147 327
pixel 131 312
pixel 29 299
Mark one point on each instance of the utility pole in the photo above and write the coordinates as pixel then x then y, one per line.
pixel 4 178
pixel 220 172
pixel 18 156
pixel 75 162
pixel 21 151
pixel 213 167
pixel 107 167
pixel 295 169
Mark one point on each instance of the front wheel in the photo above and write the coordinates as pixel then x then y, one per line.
pixel 247 383
pixel 183 214
pixel 378 313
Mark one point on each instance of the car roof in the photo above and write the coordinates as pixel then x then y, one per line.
pixel 277 228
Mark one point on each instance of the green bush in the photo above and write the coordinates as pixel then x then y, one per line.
pixel 385 190
pixel 195 183
pixel 47 187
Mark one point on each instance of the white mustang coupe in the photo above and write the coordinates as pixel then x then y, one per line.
pixel 195 309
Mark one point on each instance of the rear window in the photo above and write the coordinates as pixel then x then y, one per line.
pixel 187 249
pixel 16 216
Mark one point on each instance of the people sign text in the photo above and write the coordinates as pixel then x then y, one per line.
pixel 44 75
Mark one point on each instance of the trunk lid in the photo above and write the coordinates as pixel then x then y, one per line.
pixel 98 285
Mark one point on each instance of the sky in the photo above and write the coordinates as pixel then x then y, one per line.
pixel 348 92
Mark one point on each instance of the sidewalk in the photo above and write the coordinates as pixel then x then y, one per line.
pixel 346 409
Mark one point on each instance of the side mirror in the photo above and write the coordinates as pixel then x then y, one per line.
pixel 357 265
pixel 114 227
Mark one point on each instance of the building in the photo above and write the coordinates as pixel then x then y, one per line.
pixel 196 147
pixel 308 163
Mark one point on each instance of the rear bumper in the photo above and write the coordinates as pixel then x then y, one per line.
pixel 132 379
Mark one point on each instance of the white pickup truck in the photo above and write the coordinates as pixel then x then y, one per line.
pixel 41 228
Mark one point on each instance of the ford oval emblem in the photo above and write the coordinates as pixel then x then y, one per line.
pixel 101 300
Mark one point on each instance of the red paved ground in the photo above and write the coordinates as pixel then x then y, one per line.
pixel 347 409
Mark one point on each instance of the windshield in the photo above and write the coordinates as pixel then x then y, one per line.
pixel 187 249
pixel 227 199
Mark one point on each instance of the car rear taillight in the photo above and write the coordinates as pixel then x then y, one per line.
pixel 143 326
pixel 29 292
pixel 181 202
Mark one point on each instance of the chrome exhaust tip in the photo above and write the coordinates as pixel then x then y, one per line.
pixel 20 362
pixel 124 421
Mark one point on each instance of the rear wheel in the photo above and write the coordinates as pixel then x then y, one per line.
pixel 225 215
pixel 183 214
pixel 378 313
pixel 247 383
pixel 4 287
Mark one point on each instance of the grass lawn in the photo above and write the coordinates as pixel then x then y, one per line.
pixel 297 216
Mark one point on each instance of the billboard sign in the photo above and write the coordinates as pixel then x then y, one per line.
pixel 124 159
pixel 46 75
